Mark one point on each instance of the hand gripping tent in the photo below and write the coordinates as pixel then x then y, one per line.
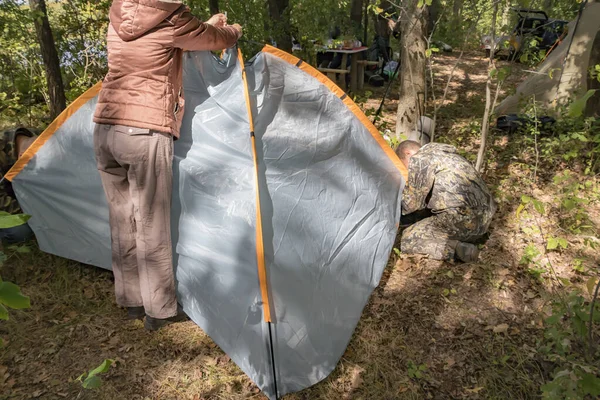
pixel 286 202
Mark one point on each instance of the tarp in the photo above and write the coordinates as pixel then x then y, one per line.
pixel 286 203
pixel 553 84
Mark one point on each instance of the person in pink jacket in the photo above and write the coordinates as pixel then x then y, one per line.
pixel 138 115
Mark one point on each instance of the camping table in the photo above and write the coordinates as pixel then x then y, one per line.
pixel 357 53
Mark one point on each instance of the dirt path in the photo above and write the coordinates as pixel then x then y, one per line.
pixel 431 330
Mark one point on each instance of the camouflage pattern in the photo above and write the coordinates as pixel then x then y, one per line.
pixel 462 206
pixel 8 157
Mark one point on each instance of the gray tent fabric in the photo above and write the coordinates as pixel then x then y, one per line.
pixel 564 73
pixel 330 204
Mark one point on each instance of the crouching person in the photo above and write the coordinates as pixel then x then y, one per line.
pixel 461 206
pixel 13 144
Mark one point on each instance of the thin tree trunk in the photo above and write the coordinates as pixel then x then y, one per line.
pixel 356 13
pixel 280 23
pixel 457 9
pixel 485 124
pixel 413 69
pixel 56 89
pixel 213 6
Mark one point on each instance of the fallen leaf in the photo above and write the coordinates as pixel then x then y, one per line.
pixel 531 294
pixel 591 285
pixel 475 390
pixel 502 328
pixel 449 363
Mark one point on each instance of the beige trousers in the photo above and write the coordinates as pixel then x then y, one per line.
pixel 136 170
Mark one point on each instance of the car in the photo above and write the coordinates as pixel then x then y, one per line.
pixel 531 24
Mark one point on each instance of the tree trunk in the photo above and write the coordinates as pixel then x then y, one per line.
pixel 412 71
pixel 485 124
pixel 356 13
pixel 457 9
pixel 280 23
pixel 213 6
pixel 434 15
pixel 592 108
pixel 56 89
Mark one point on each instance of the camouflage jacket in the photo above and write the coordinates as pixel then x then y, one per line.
pixel 440 179
pixel 8 157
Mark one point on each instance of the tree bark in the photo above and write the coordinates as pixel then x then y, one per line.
pixel 457 9
pixel 56 89
pixel 213 6
pixel 412 71
pixel 485 124
pixel 592 108
pixel 280 23
pixel 356 13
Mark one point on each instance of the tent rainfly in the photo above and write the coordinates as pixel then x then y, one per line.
pixel 565 72
pixel 286 203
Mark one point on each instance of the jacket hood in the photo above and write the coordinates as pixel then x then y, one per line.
pixel 133 18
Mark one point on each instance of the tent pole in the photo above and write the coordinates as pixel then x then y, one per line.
pixel 260 252
pixel 276 391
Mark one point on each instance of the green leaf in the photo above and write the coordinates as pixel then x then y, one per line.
pixel 23 249
pixel 562 242
pixel 553 319
pixel 11 296
pixel 102 368
pixel 520 209
pixel 428 53
pixel 538 205
pixel 10 221
pixel 552 244
pixel 92 382
pixel 578 106
pixel 525 199
pixel 590 384
pixel 3 313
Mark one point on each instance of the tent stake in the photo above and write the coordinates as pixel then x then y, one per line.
pixel 273 362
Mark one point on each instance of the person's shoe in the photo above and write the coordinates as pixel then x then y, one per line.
pixel 153 324
pixel 136 313
pixel 467 252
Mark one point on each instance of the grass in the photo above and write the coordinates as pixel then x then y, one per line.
pixel 431 330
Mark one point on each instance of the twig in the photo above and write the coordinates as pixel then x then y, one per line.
pixel 535 135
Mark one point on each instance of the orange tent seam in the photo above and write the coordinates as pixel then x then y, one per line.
pixel 51 130
pixel 315 73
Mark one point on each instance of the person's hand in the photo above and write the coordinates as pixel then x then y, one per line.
pixel 217 20
pixel 238 28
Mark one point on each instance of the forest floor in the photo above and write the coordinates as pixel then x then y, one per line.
pixel 431 330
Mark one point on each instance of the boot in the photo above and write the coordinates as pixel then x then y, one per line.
pixel 153 324
pixel 135 313
pixel 466 252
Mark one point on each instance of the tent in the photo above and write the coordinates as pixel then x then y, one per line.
pixel 286 203
pixel 565 71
